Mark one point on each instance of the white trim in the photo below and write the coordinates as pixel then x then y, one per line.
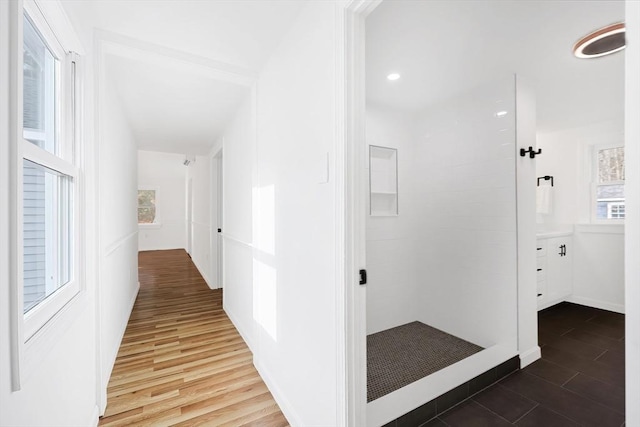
pixel 600 228
pixel 603 305
pixel 285 406
pixel 154 54
pixel 529 356
pixel 351 214
pixel 236 239
pixel 632 227
pixel 94 420
pixel 118 243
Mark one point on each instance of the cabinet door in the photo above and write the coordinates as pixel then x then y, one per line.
pixel 559 267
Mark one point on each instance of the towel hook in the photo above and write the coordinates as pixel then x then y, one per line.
pixel 532 154
pixel 546 178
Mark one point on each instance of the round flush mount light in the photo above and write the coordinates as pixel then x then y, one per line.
pixel 393 76
pixel 605 41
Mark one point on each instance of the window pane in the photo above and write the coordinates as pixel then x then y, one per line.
pixel 47 240
pixel 146 206
pixel 608 199
pixel 39 90
pixel 611 165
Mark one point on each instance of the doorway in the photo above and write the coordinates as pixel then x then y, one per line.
pixel 217 201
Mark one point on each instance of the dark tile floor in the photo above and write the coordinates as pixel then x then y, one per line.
pixel 578 382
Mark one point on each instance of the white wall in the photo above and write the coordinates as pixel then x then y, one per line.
pixel 393 266
pixel 118 224
pixel 632 248
pixel 238 159
pixel 287 310
pixel 598 267
pixel 59 387
pixel 165 173
pixel 467 211
pixel 199 172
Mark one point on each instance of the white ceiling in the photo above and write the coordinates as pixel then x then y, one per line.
pixel 444 48
pixel 173 102
pixel 172 109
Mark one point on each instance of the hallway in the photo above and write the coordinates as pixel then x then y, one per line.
pixel 181 361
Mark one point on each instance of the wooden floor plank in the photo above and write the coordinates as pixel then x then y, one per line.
pixel 181 361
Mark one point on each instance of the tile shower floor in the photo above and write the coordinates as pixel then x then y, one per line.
pixel 399 356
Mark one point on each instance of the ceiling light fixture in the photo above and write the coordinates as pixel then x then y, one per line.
pixel 501 113
pixel 605 41
pixel 393 76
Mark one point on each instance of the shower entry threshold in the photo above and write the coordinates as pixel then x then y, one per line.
pixel 402 355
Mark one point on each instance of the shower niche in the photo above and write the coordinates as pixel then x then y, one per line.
pixel 383 181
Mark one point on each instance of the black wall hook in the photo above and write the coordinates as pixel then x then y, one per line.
pixel 532 153
pixel 546 178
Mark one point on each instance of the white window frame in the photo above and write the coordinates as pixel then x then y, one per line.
pixel 157 223
pixel 593 154
pixel 610 207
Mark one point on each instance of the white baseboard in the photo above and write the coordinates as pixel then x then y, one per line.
pixel 604 305
pixel 529 356
pixel 285 406
pixel 235 322
pixel 95 417
pixel 204 276
pixel 114 354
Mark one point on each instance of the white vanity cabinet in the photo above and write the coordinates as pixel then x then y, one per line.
pixel 554 269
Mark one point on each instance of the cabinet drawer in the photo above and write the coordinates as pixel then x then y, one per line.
pixel 541 274
pixel 541 247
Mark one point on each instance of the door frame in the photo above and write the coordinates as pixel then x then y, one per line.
pixel 351 207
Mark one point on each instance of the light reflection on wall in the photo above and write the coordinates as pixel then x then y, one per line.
pixel 265 283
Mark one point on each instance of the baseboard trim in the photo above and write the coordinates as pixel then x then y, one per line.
pixel 236 324
pixel 95 417
pixel 530 356
pixel 114 354
pixel 285 406
pixel 204 276
pixel 603 305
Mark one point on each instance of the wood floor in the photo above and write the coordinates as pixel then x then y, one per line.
pixel 181 361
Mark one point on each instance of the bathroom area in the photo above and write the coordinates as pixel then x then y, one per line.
pixel 495 179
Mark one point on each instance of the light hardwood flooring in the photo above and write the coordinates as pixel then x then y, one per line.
pixel 181 361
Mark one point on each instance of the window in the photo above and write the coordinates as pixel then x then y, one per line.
pixel 609 200
pixel 147 207
pixel 48 174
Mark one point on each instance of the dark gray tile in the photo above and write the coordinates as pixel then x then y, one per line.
pixel 452 398
pixel 609 319
pixel 603 393
pixel 418 416
pixel 550 371
pixel 596 340
pixel 508 405
pixel 390 424
pixel 471 414
pixel 608 373
pixel 612 357
pixel 571 345
pixel 436 422
pixel 598 329
pixel 482 381
pixel 508 367
pixel 562 401
pixel 541 416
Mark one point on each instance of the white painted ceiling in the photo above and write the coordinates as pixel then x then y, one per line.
pixel 444 48
pixel 174 105
pixel 172 109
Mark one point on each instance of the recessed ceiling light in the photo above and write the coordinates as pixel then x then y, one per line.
pixel 501 113
pixel 393 76
pixel 604 41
